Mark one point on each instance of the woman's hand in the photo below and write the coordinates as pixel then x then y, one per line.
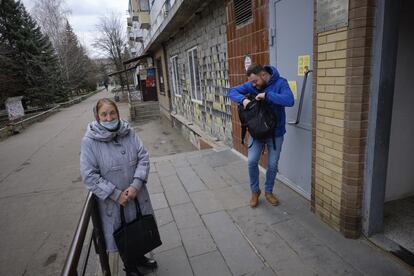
pixel 123 198
pixel 131 193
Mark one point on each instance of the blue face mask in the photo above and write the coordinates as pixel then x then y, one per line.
pixel 110 125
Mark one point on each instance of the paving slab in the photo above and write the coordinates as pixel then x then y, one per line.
pixel 247 216
pixel 200 153
pixel 165 168
pixel 190 180
pixel 283 259
pixel 173 262
pixel 158 201
pixel 170 237
pixel 210 264
pixel 154 184
pixel 313 251
pixel 222 158
pixel 169 180
pixel 197 240
pixel 196 159
pixel 267 271
pixel 227 178
pixel 232 197
pixel 163 216
pixel 186 215
pixel 360 253
pixel 236 251
pixel 206 202
pixel 174 190
pixel 209 177
pixel 179 161
pixel 238 171
pixel 153 167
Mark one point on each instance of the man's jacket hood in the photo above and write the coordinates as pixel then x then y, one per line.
pixel 274 73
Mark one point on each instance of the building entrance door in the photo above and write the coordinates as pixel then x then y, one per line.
pixel 149 91
pixel 291 50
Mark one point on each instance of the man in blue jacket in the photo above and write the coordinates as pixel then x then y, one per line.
pixel 265 84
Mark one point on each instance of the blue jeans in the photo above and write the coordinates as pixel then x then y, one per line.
pixel 255 150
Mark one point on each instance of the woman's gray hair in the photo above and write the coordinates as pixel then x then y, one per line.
pixel 98 105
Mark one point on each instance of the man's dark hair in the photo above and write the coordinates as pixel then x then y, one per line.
pixel 255 69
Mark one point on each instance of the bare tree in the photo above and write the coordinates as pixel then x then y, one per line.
pixel 51 16
pixel 111 40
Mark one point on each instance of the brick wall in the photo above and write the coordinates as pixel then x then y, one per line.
pixel 207 32
pixel 340 104
pixel 250 39
pixel 329 125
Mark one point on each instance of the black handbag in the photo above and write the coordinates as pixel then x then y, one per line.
pixel 138 237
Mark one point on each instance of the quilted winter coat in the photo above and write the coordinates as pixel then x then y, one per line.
pixel 109 163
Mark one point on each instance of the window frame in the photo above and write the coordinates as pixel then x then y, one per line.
pixel 195 90
pixel 146 3
pixel 175 76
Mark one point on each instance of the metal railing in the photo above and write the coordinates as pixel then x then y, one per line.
pixel 89 211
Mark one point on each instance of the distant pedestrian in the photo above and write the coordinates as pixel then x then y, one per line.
pixel 106 85
pixel 265 84
pixel 114 165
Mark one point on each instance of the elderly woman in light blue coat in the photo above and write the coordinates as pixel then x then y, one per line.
pixel 115 165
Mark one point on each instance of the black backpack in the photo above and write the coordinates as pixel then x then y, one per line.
pixel 259 119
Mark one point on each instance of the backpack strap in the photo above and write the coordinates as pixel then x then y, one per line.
pixel 243 133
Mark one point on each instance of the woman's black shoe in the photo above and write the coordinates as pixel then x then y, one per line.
pixel 132 272
pixel 147 262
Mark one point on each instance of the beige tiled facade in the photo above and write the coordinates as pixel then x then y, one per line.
pixel 330 102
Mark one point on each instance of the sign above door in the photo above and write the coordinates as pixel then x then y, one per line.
pixel 331 14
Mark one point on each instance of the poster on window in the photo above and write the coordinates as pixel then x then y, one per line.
pixel 14 108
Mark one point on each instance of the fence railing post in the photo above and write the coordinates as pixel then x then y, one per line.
pixel 99 240
pixel 90 210
pixel 72 260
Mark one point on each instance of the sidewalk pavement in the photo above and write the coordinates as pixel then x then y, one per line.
pixel 207 227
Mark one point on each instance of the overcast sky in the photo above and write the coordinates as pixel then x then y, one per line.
pixel 85 15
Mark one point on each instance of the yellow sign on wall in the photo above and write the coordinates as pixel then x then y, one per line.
pixel 303 64
pixel 293 87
